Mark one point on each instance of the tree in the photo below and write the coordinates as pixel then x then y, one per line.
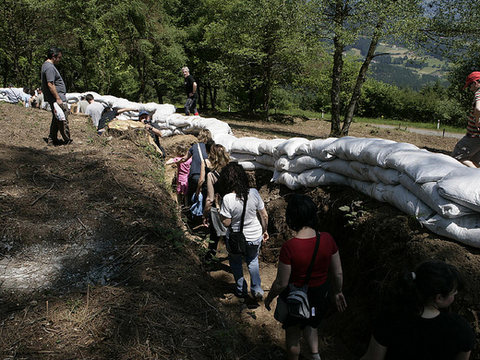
pixel 21 43
pixel 351 19
pixel 453 26
pixel 257 41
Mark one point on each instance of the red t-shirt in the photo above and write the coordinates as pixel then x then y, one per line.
pixel 298 253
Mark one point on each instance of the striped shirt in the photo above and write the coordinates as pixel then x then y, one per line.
pixel 472 130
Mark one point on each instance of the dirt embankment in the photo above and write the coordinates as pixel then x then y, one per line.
pixel 98 262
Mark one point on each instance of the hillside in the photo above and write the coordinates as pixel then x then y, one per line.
pixel 97 261
pixel 402 67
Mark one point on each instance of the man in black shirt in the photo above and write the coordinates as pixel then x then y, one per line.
pixel 191 90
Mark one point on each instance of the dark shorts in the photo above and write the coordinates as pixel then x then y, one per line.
pixel 318 297
pixel 468 148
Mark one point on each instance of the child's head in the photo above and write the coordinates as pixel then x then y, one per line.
pixel 435 277
pixel 433 283
pixel 181 149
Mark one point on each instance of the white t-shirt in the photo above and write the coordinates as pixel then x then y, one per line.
pixel 232 208
pixel 94 110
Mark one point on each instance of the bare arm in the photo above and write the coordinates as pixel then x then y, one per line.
pixel 154 130
pixel 337 274
pixel 194 89
pixel 119 111
pixel 187 156
pixel 281 282
pixel 53 90
pixel 264 221
pixel 375 351
pixel 476 113
pixel 226 221
pixel 201 179
pixel 210 195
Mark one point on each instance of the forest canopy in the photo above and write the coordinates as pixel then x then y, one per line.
pixel 253 55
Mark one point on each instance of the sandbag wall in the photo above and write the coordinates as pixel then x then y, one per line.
pixel 163 116
pixel 440 192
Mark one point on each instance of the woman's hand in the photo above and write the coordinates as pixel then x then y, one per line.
pixel 205 221
pixel 340 302
pixel 265 236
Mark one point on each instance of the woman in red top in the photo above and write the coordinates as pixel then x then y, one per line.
pixel 295 257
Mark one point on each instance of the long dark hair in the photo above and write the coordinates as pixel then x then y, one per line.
pixel 418 288
pixel 233 178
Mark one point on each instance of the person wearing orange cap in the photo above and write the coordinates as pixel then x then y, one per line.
pixel 467 150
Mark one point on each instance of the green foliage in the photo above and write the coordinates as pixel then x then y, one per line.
pixel 431 104
pixel 248 54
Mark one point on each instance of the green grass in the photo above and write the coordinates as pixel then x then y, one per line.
pixel 380 120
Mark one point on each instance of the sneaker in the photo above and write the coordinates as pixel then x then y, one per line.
pixel 196 113
pixel 258 296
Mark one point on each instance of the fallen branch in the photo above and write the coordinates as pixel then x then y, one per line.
pixel 214 308
pixel 41 196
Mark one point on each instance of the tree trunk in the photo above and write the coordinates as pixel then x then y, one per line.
pixel 158 91
pixel 357 91
pixel 339 46
pixel 336 86
pixel 214 99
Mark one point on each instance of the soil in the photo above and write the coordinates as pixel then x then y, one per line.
pixel 98 261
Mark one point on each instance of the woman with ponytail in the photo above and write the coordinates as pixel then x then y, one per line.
pixel 417 326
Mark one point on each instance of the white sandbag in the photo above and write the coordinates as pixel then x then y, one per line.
pixel 365 170
pixel 248 145
pixel 428 193
pixel 462 186
pixel 319 177
pixel 167 133
pixel 73 97
pixel 242 157
pixel 289 180
pixel 465 229
pixel 252 165
pixel 316 148
pixel 342 167
pixel 270 146
pixel 298 164
pixel 290 147
pixel 120 103
pixel 219 127
pixel 93 93
pixel 386 176
pixel 406 202
pixel 267 160
pixel 377 152
pixel 226 140
pixel 365 187
pixel 177 120
pixel 352 148
pixel 162 112
pixel 109 100
pixel 422 165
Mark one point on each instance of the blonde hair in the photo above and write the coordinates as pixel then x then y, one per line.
pixel 204 136
pixel 218 157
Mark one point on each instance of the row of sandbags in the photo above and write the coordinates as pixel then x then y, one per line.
pixel 436 189
pixel 163 116
pixel 12 95
pixel 442 193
